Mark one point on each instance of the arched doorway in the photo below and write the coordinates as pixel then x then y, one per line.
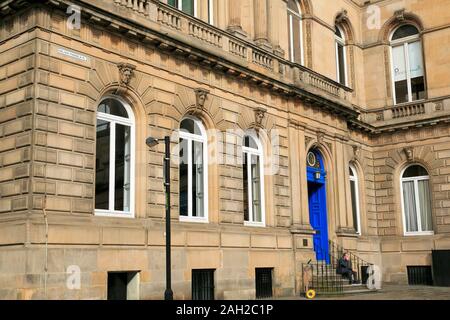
pixel 316 175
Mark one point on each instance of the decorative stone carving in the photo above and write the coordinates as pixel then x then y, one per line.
pixel 380 116
pixel 438 106
pixel 260 114
pixel 356 151
pixel 400 15
pixel 126 71
pixel 341 17
pixel 320 137
pixel 200 97
pixel 409 152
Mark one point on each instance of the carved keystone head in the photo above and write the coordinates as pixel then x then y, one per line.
pixel 200 97
pixel 409 152
pixel 356 151
pixel 400 15
pixel 260 114
pixel 341 17
pixel 126 71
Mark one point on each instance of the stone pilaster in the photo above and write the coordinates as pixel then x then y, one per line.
pixel 234 24
pixel 261 21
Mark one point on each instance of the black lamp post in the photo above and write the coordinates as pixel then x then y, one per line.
pixel 151 142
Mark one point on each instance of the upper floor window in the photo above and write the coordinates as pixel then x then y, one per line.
pixel 211 11
pixel 253 181
pixel 416 200
pixel 187 6
pixel 295 32
pixel 193 190
pixel 407 65
pixel 114 165
pixel 341 59
pixel 354 189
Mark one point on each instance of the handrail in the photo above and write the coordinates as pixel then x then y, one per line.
pixel 336 252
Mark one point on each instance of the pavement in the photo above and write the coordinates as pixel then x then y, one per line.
pixel 394 292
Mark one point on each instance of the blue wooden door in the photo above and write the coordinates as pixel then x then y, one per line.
pixel 318 219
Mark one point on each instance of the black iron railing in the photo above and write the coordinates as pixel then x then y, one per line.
pixel 358 265
pixel 323 277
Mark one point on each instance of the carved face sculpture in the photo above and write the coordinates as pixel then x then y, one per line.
pixel 126 75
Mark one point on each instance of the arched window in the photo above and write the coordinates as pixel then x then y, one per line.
pixel 114 165
pixel 295 32
pixel 253 173
pixel 407 65
pixel 187 6
pixel 416 200
pixel 193 171
pixel 354 189
pixel 341 59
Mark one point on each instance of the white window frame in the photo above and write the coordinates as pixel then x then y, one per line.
pixel 248 152
pixel 405 42
pixel 180 7
pixel 354 178
pixel 291 33
pixel 417 204
pixel 189 137
pixel 113 120
pixel 211 12
pixel 340 41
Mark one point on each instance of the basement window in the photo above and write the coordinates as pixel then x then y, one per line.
pixel 263 279
pixel 420 276
pixel 123 285
pixel 203 284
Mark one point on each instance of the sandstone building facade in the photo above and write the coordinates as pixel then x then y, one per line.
pixel 338 113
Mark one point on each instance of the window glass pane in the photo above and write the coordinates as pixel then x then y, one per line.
pixel 187 6
pixel 113 107
pixel 211 11
pixel 256 188
pixel 399 63
pixel 249 142
pixel 183 183
pixel 173 3
pixel 425 205
pixel 123 168
pixel 245 173
pixel 415 59
pixel 292 5
pixel 415 171
pixel 341 63
pixel 409 204
pixel 401 91
pixel 418 88
pixel 354 205
pixel 350 171
pixel 404 31
pixel 297 49
pixel 337 32
pixel 190 126
pixel 197 176
pixel 102 165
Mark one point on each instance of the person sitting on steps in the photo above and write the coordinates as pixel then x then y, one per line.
pixel 345 268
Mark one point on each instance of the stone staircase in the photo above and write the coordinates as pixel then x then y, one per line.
pixel 322 277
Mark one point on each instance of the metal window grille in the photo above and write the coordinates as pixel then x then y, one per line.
pixel 203 284
pixel 420 275
pixel 264 283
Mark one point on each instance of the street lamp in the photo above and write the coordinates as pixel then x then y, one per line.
pixel 152 142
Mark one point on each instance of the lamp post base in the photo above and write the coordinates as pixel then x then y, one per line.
pixel 168 294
